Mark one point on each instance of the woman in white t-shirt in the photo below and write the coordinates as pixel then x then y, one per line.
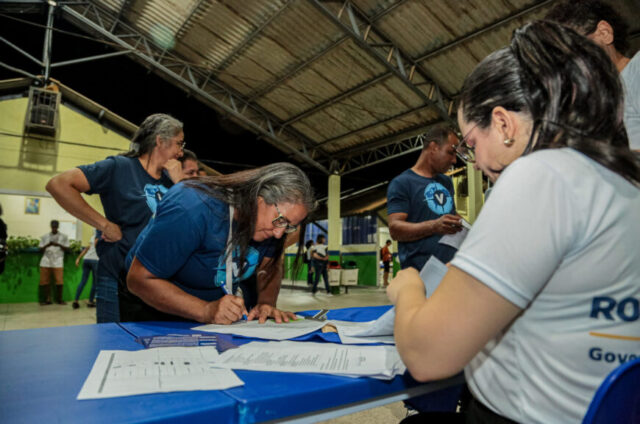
pixel 541 301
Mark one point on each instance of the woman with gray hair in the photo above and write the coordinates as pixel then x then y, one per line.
pixel 207 236
pixel 129 185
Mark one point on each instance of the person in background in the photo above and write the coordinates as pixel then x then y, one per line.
pixel 89 266
pixel 53 245
pixel 420 202
pixel 130 187
pixel 545 280
pixel 210 230
pixel 319 262
pixel 307 258
pixel 387 258
pixel 189 162
pixel 600 23
pixel 3 243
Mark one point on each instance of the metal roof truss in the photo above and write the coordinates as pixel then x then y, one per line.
pixel 193 79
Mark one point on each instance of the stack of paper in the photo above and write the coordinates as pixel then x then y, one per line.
pixel 378 331
pixel 324 358
pixel 269 330
pixel 381 330
pixel 167 369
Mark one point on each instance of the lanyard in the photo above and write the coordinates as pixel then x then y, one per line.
pixel 229 281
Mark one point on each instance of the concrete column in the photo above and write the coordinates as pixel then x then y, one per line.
pixel 476 198
pixel 333 216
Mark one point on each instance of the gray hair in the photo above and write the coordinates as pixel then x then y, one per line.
pixel 284 183
pixel 156 125
pixel 276 183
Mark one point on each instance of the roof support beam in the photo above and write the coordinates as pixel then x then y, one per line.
pixel 180 32
pixel 247 41
pixel 231 103
pixel 125 5
pixel 315 57
pixel 46 49
pixel 400 73
pixel 90 58
pixel 374 157
pixel 482 30
pixel 279 81
pixel 373 125
pixel 339 97
pixel 19 71
pixel 24 53
pixel 383 142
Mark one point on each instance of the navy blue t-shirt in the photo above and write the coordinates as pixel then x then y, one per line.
pixel 422 199
pixel 129 197
pixel 185 243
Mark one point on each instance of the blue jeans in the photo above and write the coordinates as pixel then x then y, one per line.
pixel 320 267
pixel 88 266
pixel 107 307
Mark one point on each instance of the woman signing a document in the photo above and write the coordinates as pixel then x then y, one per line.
pixel 213 232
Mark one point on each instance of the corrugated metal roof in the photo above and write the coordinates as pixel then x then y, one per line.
pixel 297 62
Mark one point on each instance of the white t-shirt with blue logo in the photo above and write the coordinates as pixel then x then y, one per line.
pixel 631 78
pixel 559 239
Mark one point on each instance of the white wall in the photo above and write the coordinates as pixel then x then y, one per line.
pixel 20 223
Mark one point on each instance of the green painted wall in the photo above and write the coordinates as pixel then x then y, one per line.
pixel 20 279
pixel 366 264
pixel 26 164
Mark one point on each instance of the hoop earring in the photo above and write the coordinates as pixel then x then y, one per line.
pixel 509 141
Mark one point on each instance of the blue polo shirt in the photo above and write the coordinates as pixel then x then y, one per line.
pixel 129 197
pixel 422 199
pixel 185 243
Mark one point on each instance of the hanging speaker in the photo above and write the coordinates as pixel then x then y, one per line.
pixel 42 112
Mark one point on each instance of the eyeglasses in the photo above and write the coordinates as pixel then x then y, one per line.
pixel 181 144
pixel 281 222
pixel 463 150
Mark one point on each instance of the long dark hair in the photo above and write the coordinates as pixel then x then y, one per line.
pixel 276 183
pixel 158 124
pixel 566 84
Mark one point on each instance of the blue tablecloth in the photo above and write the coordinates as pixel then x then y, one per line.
pixel 43 370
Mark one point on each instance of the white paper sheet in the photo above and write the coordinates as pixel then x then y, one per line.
pixel 167 369
pixel 375 331
pixel 268 331
pixel 362 332
pixel 378 331
pixel 324 358
pixel 432 273
pixel 455 240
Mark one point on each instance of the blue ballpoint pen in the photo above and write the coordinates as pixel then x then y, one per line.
pixel 224 289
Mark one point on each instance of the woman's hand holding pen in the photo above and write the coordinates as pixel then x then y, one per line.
pixel 226 310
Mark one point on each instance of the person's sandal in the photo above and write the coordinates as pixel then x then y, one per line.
pixel 75 304
pixel 91 304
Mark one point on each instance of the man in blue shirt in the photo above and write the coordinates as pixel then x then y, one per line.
pixel 420 202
